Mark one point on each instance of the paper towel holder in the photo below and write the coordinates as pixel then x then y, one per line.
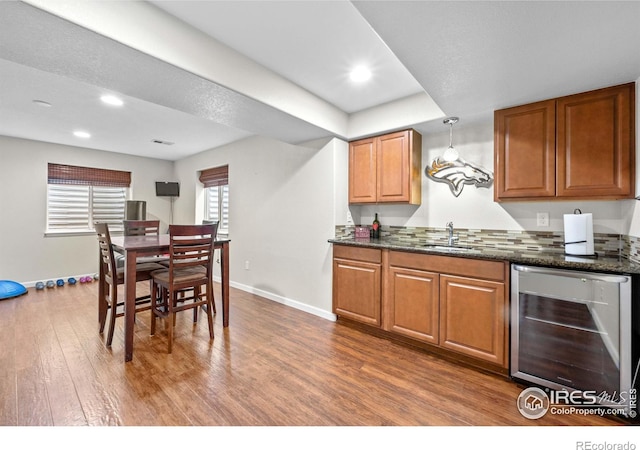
pixel 578 211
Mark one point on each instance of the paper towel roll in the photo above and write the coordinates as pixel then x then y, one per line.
pixel 578 234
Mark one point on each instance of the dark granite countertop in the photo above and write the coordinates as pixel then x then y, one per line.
pixel 551 258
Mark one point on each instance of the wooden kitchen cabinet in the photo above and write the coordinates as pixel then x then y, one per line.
pixel 413 304
pixel 525 153
pixel 386 169
pixel 580 146
pixel 473 318
pixel 363 171
pixel 459 304
pixel 357 284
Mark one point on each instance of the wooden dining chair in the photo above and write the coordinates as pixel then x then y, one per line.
pixel 215 235
pixel 114 277
pixel 190 268
pixel 145 228
pixel 141 227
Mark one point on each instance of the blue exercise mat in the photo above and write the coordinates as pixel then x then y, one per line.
pixel 10 289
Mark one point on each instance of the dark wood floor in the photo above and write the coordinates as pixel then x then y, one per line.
pixel 273 366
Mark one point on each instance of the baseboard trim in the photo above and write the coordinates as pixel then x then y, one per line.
pixel 283 300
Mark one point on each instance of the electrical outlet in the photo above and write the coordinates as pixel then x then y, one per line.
pixel 543 219
pixel 349 218
pixel 246 265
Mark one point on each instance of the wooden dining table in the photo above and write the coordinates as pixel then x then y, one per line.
pixel 133 247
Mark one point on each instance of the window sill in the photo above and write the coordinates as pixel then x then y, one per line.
pixel 69 233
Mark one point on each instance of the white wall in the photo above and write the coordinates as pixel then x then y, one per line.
pixel 475 208
pixel 281 201
pixel 26 255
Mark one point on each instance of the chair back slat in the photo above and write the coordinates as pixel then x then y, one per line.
pixel 141 227
pixel 190 246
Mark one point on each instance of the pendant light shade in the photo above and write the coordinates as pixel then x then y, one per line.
pixel 450 154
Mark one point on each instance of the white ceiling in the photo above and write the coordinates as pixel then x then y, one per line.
pixel 312 43
pixel 477 56
pixel 470 57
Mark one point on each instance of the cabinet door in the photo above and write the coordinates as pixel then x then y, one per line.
pixel 362 171
pixel 473 318
pixel 412 306
pixel 595 144
pixel 525 151
pixel 394 167
pixel 357 290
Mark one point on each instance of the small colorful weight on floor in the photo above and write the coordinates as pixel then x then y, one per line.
pixel 50 284
pixel 39 286
pixel 72 281
pixel 96 276
pixel 60 282
pixel 88 279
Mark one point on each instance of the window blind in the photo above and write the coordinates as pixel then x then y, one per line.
pixel 67 207
pixel 216 176
pixel 217 207
pixel 77 197
pixel 87 176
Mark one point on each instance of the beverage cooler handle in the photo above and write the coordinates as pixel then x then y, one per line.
pixel 572 274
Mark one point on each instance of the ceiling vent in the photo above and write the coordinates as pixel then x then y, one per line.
pixel 159 141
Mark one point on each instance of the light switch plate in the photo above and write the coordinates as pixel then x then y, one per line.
pixel 543 219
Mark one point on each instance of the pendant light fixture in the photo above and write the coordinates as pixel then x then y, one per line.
pixel 455 171
pixel 450 154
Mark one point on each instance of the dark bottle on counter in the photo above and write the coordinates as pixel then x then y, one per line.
pixel 375 227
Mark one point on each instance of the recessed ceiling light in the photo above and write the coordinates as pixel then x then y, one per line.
pixel 360 73
pixel 111 100
pixel 82 134
pixel 42 103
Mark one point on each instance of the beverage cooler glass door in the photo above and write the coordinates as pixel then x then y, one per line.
pixel 572 330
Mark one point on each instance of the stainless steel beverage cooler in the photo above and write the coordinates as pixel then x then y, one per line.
pixel 135 210
pixel 575 331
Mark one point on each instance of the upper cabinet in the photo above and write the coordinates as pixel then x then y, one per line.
pixel 580 146
pixel 386 169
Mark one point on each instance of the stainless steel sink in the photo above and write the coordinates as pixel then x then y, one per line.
pixel 447 247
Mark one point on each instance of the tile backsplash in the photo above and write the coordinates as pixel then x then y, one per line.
pixel 613 245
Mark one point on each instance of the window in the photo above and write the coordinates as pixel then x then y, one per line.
pixel 217 207
pixel 216 183
pixel 77 197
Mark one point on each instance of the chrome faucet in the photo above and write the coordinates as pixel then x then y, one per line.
pixel 451 240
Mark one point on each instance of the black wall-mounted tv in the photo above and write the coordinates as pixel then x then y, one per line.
pixel 167 189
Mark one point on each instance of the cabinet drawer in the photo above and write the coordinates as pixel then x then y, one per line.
pixel 357 253
pixel 488 270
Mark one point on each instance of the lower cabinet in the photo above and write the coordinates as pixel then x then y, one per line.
pixel 473 318
pixel 357 283
pixel 457 304
pixel 413 305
